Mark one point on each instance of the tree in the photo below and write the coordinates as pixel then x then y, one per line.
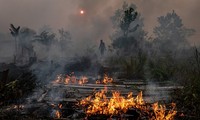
pixel 65 38
pixel 129 33
pixel 15 32
pixel 27 32
pixel 129 16
pixel 171 34
pixel 45 38
pixel 128 42
pixel 123 18
pixel 25 41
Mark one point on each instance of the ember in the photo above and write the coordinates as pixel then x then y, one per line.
pixel 83 80
pixel 71 79
pixel 106 80
pixel 58 114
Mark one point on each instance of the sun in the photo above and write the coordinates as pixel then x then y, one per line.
pixel 82 12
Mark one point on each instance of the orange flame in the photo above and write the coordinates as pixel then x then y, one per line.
pixel 59 78
pixel 71 79
pixel 60 106
pixel 83 80
pixel 106 80
pixel 67 79
pixel 161 112
pixel 117 104
pixel 58 114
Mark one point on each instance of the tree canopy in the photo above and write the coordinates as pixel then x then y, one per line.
pixel 171 33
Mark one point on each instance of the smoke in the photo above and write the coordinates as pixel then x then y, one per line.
pixel 6 48
pixel 95 24
pixel 187 10
pixel 86 30
pixel 157 92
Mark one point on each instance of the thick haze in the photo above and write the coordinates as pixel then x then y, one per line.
pixel 95 24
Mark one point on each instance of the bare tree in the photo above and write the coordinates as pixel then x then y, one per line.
pixel 15 32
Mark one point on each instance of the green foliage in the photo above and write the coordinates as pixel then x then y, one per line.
pixel 18 88
pixel 134 66
pixel 187 99
pixel 131 66
pixel 170 60
pixel 162 68
pixel 125 45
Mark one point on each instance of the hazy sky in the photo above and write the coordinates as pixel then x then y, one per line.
pixel 95 24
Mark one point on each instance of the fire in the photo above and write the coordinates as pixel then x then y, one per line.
pixel 67 79
pixel 161 114
pixel 58 114
pixel 83 80
pixel 59 78
pixel 115 103
pixel 118 104
pixel 98 82
pixel 106 80
pixel 71 79
pixel 60 106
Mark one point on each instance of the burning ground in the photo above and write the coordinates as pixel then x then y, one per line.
pixel 74 97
